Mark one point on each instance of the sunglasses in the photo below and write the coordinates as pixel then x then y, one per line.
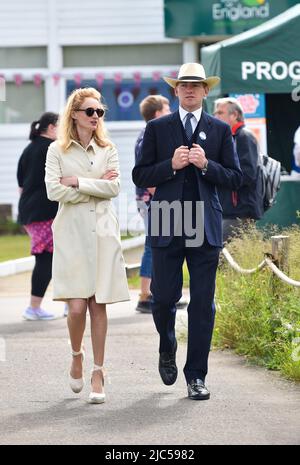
pixel 90 111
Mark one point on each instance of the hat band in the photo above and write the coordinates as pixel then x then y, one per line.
pixel 196 78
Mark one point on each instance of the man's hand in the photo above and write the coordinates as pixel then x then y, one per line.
pixel 69 181
pixel 110 175
pixel 180 158
pixel 197 157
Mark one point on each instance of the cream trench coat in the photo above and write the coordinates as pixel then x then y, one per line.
pixel 87 258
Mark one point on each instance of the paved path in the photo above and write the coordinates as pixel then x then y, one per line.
pixel 248 405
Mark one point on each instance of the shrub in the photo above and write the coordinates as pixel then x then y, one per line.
pixel 10 227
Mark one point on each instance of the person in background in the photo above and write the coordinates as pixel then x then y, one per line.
pixel 245 204
pixel 36 212
pixel 82 174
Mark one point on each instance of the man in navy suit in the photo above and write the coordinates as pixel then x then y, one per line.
pixel 186 155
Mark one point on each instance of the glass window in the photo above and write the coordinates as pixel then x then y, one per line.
pixel 23 57
pixel 122 55
pixel 123 99
pixel 23 104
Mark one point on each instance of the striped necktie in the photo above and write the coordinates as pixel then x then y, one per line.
pixel 188 126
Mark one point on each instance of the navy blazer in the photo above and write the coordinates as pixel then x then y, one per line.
pixel 154 168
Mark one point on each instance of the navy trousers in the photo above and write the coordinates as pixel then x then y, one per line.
pixel 166 288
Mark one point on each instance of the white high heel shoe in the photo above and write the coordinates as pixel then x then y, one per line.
pixel 96 397
pixel 77 384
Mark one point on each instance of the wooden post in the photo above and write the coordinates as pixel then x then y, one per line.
pixel 280 252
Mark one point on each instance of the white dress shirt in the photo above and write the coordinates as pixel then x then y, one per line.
pixel 194 121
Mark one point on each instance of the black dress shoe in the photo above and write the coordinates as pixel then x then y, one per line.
pixel 144 306
pixel 167 366
pixel 197 390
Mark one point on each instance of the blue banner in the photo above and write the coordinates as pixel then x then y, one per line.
pixel 123 99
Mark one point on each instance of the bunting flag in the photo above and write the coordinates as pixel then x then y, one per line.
pixel 137 77
pixel 78 79
pixel 156 75
pixel 56 78
pixel 18 78
pixel 118 80
pixel 99 80
pixel 37 79
pixel 118 77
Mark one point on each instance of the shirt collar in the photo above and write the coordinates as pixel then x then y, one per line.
pixel 92 144
pixel 197 114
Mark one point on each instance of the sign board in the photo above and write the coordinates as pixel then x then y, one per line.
pixel 122 99
pixel 262 60
pixel 186 18
pixel 254 108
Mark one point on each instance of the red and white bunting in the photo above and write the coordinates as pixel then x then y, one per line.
pixel 18 78
pixel 56 78
pixel 78 79
pixel 99 80
pixel 156 75
pixel 118 78
pixel 137 77
pixel 37 79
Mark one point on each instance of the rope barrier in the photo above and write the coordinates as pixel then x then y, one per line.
pixel 236 267
pixel 265 262
pixel 281 275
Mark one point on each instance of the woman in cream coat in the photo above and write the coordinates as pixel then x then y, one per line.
pixel 82 174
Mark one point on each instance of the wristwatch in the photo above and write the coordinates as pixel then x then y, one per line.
pixel 204 169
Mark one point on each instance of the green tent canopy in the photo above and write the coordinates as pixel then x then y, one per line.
pixel 265 59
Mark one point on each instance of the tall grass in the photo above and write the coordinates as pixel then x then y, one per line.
pixel 259 315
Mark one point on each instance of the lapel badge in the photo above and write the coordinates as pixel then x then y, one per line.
pixel 202 135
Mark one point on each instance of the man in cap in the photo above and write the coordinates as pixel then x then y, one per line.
pixel 186 155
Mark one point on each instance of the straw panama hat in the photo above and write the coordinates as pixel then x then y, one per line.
pixel 193 72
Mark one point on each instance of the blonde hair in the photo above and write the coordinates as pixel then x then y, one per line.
pixel 151 104
pixel 67 128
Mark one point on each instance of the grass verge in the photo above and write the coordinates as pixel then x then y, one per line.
pixel 12 247
pixel 258 315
